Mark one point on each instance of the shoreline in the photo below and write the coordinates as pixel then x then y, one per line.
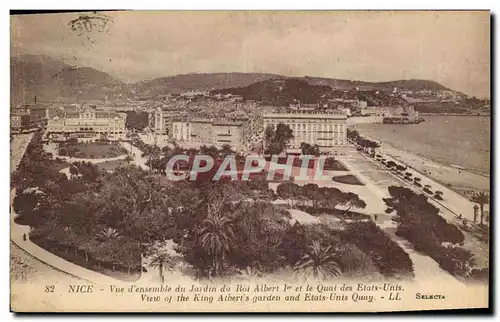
pixel 457 179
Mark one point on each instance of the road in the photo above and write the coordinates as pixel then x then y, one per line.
pixel 17 149
pixel 379 179
pixel 136 154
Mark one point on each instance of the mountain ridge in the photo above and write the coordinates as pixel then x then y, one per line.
pixel 49 78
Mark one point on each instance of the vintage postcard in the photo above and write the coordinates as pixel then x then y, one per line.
pixel 250 161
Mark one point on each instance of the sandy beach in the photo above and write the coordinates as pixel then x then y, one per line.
pixel 460 180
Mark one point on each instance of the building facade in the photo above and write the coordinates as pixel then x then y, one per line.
pixel 85 122
pixel 328 131
pixel 209 132
pixel 28 117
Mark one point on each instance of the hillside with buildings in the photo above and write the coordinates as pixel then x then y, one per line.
pixel 46 79
pixel 197 82
pixel 280 92
pixel 49 79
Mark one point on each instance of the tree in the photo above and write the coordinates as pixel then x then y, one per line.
pixel 373 146
pixel 137 120
pixel 216 237
pixel 288 191
pixel 353 200
pixel 108 233
pixel 212 151
pixel 226 150
pixel 482 199
pixel 352 134
pixel 128 159
pixel 249 273
pixel 308 149
pixel 277 141
pixel 269 135
pixel 164 262
pixel 318 261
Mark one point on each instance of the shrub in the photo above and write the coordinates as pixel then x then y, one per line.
pixel 348 179
pixel 387 255
pixel 419 222
pixel 355 263
pixel 482 274
pixel 455 260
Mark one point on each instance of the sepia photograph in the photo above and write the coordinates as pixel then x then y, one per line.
pixel 250 161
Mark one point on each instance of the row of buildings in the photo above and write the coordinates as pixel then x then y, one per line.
pixel 26 117
pixel 241 132
pixel 326 130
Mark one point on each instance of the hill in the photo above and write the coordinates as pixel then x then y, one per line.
pixel 411 84
pixel 217 81
pixel 50 79
pixel 198 82
pixel 280 92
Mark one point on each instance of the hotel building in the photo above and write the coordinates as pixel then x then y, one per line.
pixel 208 132
pixel 328 131
pixel 85 122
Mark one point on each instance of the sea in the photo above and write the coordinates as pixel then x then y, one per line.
pixel 462 141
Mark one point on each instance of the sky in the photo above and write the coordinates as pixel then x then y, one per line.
pixel 452 48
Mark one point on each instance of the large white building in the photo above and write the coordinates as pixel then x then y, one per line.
pixel 209 132
pixel 328 131
pixel 85 122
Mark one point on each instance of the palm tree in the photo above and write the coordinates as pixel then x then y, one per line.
pixel 320 262
pixel 482 199
pixel 216 237
pixel 249 273
pixel 108 233
pixel 163 261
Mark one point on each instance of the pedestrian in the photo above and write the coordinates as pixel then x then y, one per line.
pixel 24 236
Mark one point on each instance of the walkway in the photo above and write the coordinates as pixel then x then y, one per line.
pixel 453 201
pixel 16 235
pixel 18 147
pixel 379 179
pixel 136 154
pixel 94 161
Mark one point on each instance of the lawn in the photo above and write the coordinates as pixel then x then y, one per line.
pixel 59 164
pixel 348 179
pixel 92 150
pixel 349 215
pixel 334 165
pixel 112 165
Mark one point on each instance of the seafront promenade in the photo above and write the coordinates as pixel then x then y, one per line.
pixel 453 205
